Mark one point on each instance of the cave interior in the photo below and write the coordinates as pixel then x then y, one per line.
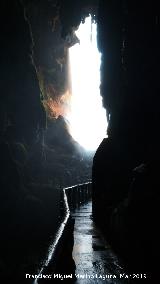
pixel 39 156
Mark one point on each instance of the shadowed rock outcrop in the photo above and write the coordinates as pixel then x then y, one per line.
pixel 124 206
pixel 37 158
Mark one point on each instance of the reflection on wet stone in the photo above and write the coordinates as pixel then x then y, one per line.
pixel 94 259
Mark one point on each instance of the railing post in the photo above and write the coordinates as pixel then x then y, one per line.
pixel 78 194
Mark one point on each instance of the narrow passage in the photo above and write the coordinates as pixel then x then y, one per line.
pixel 94 259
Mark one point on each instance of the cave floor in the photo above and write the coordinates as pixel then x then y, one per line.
pixel 94 259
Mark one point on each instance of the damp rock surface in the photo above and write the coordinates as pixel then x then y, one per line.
pixel 94 259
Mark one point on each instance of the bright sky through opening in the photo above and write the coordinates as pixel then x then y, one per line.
pixel 87 118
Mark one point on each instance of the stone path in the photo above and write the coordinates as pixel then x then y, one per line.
pixel 94 259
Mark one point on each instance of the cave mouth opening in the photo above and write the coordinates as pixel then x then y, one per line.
pixel 87 117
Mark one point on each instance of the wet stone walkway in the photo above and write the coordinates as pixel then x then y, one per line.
pixel 94 259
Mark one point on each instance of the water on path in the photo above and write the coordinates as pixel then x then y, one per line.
pixel 94 259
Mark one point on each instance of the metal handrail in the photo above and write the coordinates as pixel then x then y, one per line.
pixel 78 194
pixel 73 197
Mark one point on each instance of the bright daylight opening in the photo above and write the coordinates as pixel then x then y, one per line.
pixel 87 118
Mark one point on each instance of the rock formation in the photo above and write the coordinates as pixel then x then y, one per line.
pixel 124 204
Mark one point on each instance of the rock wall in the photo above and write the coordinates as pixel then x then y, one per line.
pixel 129 42
pixel 21 113
pixel 20 94
pixel 38 159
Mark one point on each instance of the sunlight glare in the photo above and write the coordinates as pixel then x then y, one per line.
pixel 87 118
